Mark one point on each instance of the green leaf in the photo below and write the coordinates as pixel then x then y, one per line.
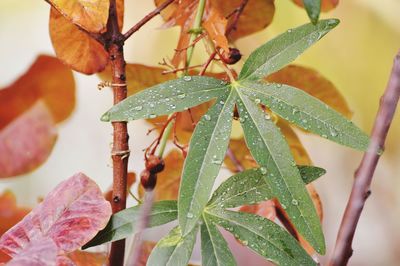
pixel 206 154
pixel 269 148
pixel 261 235
pixel 283 49
pixel 174 249
pixel 214 249
pixel 313 8
pixel 307 112
pixel 249 187
pixel 122 224
pixel 310 173
pixel 165 98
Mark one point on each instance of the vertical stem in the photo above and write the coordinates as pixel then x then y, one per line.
pixel 120 150
pixel 365 172
pixel 196 29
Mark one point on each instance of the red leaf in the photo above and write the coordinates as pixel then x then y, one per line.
pixel 26 142
pixel 70 216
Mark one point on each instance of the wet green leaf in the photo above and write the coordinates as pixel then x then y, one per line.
pixel 206 154
pixel 214 249
pixel 313 8
pixel 269 148
pixel 174 249
pixel 283 49
pixel 262 236
pixel 249 187
pixel 122 224
pixel 309 113
pixel 165 98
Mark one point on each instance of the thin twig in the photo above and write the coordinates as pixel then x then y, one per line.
pixel 231 155
pixel 147 18
pixel 238 11
pixel 363 175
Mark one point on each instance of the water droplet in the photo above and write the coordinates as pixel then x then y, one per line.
pixel 152 116
pixel 207 117
pixel 260 228
pixel 105 117
pixel 267 116
pixel 279 85
pixel 283 206
pixel 189 215
pixel 257 101
pixel 216 162
pixel 245 242
pixel 304 121
pixel 241 119
pixel 289 30
pixel 294 111
pixel 138 108
pixel 333 132
pixel 181 96
pixel 295 202
pixel 221 102
pixel 187 78
pixel 263 170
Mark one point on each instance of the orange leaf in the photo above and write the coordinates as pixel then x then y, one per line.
pixel 326 5
pixel 215 25
pixel 168 180
pixel 47 80
pixel 314 84
pixel 90 15
pixel 26 142
pixel 131 178
pixel 265 209
pixel 256 15
pixel 10 213
pixel 74 47
pixel 140 77
pixel 84 258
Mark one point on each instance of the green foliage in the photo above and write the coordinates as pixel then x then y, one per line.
pixel 278 176
pixel 174 249
pixel 313 8
pixel 122 224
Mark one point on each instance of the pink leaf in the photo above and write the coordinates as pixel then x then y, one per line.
pixel 69 216
pixel 26 142
pixel 42 253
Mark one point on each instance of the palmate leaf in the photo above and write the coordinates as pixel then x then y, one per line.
pixel 283 49
pixel 209 142
pixel 313 8
pixel 214 249
pixel 271 151
pixel 206 154
pixel 123 223
pixel 249 187
pixel 165 98
pixel 174 249
pixel 307 112
pixel 261 235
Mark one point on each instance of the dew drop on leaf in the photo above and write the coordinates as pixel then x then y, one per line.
pixel 138 108
pixel 263 170
pixel 295 202
pixel 189 215
pixel 207 117
pixel 187 78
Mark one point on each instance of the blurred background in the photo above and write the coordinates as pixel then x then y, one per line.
pixel 357 57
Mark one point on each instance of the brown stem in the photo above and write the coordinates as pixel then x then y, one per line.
pixel 363 175
pixel 237 12
pixel 120 150
pixel 147 18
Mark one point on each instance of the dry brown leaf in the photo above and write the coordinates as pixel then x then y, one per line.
pixel 74 47
pixel 10 213
pixel 326 5
pixel 168 180
pixel 90 15
pixel 256 15
pixel 215 25
pixel 47 80
pixel 27 141
pixel 314 84
pixel 140 77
